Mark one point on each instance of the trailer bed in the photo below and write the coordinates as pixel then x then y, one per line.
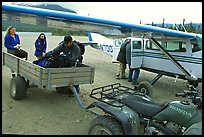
pixel 49 77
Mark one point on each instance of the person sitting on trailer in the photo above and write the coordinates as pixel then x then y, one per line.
pixel 40 45
pixel 13 44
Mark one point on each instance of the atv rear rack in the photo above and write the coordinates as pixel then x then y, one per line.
pixel 111 94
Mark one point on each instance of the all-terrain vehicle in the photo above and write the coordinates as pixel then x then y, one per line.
pixel 129 112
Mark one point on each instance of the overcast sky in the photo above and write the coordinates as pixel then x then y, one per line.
pixel 133 12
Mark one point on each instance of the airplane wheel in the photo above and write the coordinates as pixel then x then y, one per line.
pixel 145 88
pixel 194 83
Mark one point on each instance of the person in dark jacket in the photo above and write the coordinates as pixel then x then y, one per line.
pixel 40 45
pixel 71 51
pixel 122 61
pixel 131 78
pixel 13 44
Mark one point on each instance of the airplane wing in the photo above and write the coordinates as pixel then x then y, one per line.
pixel 86 23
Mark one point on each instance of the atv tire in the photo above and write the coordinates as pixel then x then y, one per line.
pixel 18 88
pixel 145 88
pixel 195 129
pixel 105 125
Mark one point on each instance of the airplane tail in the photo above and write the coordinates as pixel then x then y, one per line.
pixel 98 38
pixel 101 42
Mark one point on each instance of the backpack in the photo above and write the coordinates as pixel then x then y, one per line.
pixel 81 46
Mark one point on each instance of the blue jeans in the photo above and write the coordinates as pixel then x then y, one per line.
pixel 136 72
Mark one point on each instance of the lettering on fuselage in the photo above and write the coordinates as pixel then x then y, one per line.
pixel 106 48
pixel 181 111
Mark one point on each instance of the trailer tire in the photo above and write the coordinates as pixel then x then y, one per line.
pixel 105 125
pixel 145 88
pixel 18 88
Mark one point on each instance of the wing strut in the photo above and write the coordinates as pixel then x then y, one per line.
pixel 188 75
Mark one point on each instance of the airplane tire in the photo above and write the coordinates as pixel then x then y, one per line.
pixel 145 88
pixel 194 83
pixel 105 125
pixel 18 88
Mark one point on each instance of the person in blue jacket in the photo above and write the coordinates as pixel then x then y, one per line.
pixel 13 44
pixel 40 45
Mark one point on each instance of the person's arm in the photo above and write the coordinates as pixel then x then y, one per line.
pixel 7 43
pixel 55 51
pixel 45 47
pixel 75 54
pixel 18 39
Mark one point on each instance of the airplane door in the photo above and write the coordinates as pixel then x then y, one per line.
pixel 137 53
pixel 116 49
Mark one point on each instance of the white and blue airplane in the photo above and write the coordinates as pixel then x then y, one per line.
pixel 159 50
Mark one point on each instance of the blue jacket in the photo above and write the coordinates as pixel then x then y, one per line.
pixel 10 42
pixel 40 47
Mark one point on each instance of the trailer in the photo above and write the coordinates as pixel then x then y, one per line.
pixel 45 78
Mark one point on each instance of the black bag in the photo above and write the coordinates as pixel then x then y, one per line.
pixel 57 61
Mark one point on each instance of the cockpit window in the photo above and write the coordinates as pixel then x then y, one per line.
pixel 196 44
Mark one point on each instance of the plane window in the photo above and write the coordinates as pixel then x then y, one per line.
pixel 196 44
pixel 118 43
pixel 176 47
pixel 152 46
pixel 137 44
pixel 195 47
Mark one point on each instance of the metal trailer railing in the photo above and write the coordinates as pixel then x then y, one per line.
pixel 49 78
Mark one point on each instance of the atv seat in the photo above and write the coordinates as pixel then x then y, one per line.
pixel 142 106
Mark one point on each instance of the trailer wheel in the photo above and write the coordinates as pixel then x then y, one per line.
pixel 18 88
pixel 145 88
pixel 105 125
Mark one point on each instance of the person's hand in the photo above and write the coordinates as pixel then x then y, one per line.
pixel 16 47
pixel 19 46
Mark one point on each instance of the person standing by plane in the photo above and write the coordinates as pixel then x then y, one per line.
pixel 136 71
pixel 122 61
pixel 13 44
pixel 40 45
